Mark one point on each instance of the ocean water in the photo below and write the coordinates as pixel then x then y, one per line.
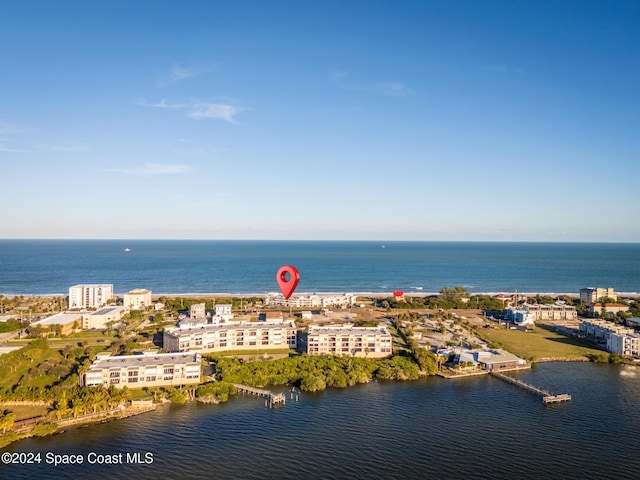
pixel 480 428
pixel 51 266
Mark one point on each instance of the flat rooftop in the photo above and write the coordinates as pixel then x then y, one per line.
pixel 59 319
pixel 109 310
pixel 228 326
pixel 347 330
pixel 145 360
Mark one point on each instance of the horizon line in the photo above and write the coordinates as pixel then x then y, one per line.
pixel 311 240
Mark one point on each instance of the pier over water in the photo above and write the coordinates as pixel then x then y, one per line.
pixel 546 396
pixel 272 398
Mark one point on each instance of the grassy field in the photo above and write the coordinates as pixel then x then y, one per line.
pixel 26 411
pixel 10 376
pixel 541 343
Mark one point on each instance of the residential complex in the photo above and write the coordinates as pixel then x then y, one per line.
pixel 146 370
pixel 342 300
pixel 137 299
pixel 89 296
pixel 370 342
pixel 543 312
pixel 617 338
pixel 231 336
pixel 592 295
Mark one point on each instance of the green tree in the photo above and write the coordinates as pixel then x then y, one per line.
pixel 6 421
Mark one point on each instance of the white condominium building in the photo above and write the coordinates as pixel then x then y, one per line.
pixel 137 299
pixel 624 344
pixel 147 370
pixel 231 336
pixel 89 296
pixel 370 342
pixel 342 300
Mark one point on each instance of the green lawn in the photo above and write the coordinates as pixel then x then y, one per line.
pixel 26 411
pixel 541 343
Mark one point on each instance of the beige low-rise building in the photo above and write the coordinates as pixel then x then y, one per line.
pixel 104 318
pixel 66 322
pixel 555 312
pixel 609 308
pixel 370 342
pixel 137 299
pixel 231 336
pixel 146 370
pixel 317 300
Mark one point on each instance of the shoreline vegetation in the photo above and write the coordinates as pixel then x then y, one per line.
pixel 39 383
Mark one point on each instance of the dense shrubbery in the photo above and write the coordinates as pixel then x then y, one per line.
pixel 449 298
pixel 215 392
pixel 313 373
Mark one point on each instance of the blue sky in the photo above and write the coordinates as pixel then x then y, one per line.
pixel 414 120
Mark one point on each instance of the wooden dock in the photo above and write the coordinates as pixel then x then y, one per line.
pixel 272 398
pixel 547 397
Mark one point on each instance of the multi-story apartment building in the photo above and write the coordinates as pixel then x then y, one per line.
pixel 197 310
pixel 343 300
pixel 137 299
pixel 231 336
pixel 624 344
pixel 89 296
pixel 601 330
pixel 552 312
pixel 147 370
pixel 370 342
pixel 592 295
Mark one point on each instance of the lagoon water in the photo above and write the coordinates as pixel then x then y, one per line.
pixel 51 266
pixel 479 428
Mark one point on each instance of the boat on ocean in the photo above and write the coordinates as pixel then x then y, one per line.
pixel 127 249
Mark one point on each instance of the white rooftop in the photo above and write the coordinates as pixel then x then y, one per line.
pixel 144 360
pixel 60 319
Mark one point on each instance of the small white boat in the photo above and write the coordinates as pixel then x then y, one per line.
pixel 127 249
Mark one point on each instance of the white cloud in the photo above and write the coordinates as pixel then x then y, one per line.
pixel 150 169
pixel 180 73
pixel 200 110
pixel 177 73
pixel 213 110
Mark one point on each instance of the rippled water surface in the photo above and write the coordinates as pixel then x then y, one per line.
pixel 479 428
pixel 51 266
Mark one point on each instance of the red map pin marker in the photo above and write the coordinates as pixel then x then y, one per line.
pixel 287 286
